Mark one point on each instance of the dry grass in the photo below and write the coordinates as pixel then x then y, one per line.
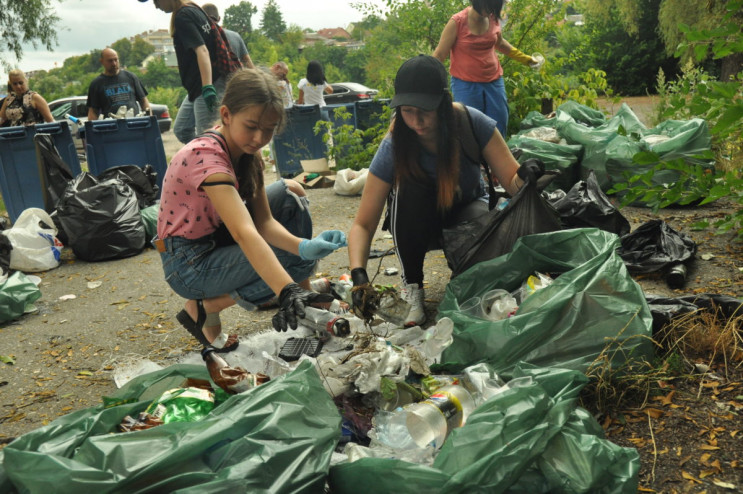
pixel 689 347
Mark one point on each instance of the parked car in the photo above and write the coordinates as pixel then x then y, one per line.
pixel 349 92
pixel 76 106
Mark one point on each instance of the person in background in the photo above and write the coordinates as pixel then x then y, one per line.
pixel 224 238
pixel 193 42
pixel 115 88
pixel 313 86
pixel 281 71
pixel 426 180
pixel 237 44
pixel 23 106
pixel 471 38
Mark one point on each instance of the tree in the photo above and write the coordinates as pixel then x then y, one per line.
pixel 26 21
pixel 238 18
pixel 272 22
pixel 141 49
pixel 124 48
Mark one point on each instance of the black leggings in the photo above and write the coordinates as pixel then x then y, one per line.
pixel 416 225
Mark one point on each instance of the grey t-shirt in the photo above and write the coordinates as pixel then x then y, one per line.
pixel 236 44
pixel 471 184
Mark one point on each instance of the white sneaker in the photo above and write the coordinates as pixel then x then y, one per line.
pixel 414 295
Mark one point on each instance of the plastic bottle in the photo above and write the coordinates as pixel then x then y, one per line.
pixel 676 277
pixel 231 379
pixel 430 421
pixel 325 323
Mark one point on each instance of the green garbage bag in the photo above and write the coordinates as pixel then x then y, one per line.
pixel 593 306
pixel 564 158
pixel 536 119
pixel 582 114
pixel 503 439
pixel 17 296
pixel 277 437
pixel 149 218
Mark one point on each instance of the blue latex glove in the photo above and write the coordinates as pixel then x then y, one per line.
pixel 210 97
pixel 322 245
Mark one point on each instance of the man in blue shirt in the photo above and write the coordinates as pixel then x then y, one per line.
pixel 115 88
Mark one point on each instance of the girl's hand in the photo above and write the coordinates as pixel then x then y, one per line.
pixel 322 245
pixel 292 301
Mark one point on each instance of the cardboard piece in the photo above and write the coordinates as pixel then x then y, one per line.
pixel 316 180
pixel 319 165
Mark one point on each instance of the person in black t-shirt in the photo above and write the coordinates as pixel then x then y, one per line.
pixel 194 42
pixel 115 88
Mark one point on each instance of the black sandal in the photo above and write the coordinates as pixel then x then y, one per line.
pixel 196 328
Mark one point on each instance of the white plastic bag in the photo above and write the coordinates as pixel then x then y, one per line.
pixel 35 248
pixel 350 182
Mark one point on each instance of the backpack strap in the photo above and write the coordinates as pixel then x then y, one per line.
pixel 471 147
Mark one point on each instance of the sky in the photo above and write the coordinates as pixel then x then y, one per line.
pixel 89 24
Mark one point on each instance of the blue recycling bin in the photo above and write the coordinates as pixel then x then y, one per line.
pixel 298 140
pixel 20 182
pixel 125 141
pixel 369 113
pixel 337 121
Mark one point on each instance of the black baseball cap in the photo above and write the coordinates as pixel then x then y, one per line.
pixel 421 82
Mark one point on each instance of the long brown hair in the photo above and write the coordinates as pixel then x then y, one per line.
pixel 246 88
pixel 407 149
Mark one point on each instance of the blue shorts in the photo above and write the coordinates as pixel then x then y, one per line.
pixel 488 97
pixel 199 269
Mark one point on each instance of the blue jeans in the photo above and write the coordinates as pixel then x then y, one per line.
pixel 199 269
pixel 194 118
pixel 488 97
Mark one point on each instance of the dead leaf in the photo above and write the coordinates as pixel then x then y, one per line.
pixel 653 412
pixel 706 473
pixel 689 476
pixel 724 485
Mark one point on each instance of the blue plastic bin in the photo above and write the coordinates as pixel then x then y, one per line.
pixel 298 140
pixel 20 183
pixel 369 113
pixel 125 141
pixel 338 122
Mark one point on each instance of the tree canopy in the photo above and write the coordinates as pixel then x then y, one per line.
pixel 272 22
pixel 33 21
pixel 239 17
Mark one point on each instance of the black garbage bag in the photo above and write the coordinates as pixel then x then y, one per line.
pixel 655 246
pixel 664 309
pixel 586 205
pixel 494 233
pixel 101 219
pixel 55 174
pixel 142 180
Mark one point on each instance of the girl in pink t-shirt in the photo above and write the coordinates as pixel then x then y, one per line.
pixel 223 237
pixel 471 37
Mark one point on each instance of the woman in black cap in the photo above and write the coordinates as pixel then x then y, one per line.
pixel 424 177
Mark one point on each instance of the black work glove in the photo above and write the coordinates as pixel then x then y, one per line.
pixel 364 305
pixel 530 170
pixel 292 301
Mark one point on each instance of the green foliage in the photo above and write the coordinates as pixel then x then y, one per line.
pixel 696 94
pixel 171 96
pixel 272 22
pixel 239 17
pixel 27 21
pixel 157 74
pixel 352 147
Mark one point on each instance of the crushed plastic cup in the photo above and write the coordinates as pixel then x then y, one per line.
pixel 472 307
pixel 498 304
pixel 539 61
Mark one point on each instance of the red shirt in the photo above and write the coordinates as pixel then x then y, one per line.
pixel 473 56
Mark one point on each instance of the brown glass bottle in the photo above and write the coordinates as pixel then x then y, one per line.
pixel 231 379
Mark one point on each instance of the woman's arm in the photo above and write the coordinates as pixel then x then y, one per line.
pixel 328 88
pixel 448 37
pixel 502 164
pixel 300 100
pixel 205 64
pixel 511 51
pixel 3 116
pixel 236 217
pixel 367 218
pixel 38 102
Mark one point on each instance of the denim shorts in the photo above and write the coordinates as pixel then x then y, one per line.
pixel 199 269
